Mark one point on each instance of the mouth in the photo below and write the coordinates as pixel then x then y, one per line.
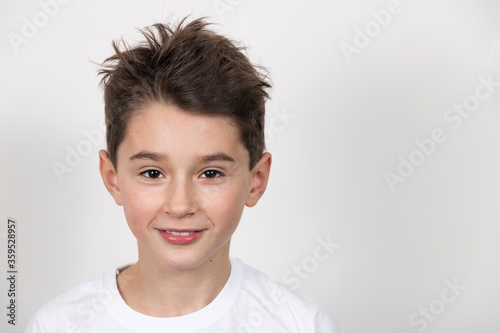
pixel 182 233
pixel 181 236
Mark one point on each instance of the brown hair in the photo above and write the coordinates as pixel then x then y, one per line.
pixel 190 67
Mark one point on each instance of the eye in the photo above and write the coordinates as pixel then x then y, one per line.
pixel 152 174
pixel 211 174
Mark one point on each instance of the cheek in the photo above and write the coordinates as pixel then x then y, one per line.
pixel 224 203
pixel 140 207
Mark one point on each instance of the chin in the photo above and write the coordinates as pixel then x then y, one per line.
pixel 183 262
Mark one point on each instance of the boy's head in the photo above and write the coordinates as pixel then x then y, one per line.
pixel 189 67
pixel 185 135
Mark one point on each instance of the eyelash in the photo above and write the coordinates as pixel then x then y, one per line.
pixel 144 173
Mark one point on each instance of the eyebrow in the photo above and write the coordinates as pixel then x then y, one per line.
pixel 217 157
pixel 157 157
pixel 148 155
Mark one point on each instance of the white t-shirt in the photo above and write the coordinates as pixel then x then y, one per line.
pixel 249 302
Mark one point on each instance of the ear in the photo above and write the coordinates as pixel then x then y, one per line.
pixel 109 177
pixel 260 175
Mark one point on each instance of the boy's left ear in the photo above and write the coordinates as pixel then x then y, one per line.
pixel 260 175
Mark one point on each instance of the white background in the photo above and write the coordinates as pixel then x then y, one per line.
pixel 351 122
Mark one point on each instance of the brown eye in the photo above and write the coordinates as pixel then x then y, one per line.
pixel 211 174
pixel 152 174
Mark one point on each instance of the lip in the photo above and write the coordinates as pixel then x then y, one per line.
pixel 178 239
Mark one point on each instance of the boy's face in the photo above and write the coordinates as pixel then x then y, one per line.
pixel 183 181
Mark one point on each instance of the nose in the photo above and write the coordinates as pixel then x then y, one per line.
pixel 179 199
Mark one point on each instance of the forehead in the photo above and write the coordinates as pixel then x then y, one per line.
pixel 167 129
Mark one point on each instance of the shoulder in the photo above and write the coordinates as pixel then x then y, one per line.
pixel 273 300
pixel 73 307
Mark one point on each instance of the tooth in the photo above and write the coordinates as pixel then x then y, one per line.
pixel 184 233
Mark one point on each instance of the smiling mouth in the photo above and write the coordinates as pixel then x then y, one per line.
pixel 181 237
pixel 183 233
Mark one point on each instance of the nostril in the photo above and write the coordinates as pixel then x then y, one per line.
pixel 179 215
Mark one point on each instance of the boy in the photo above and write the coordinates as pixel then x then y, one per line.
pixel 185 153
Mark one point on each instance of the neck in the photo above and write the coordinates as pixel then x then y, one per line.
pixel 158 291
